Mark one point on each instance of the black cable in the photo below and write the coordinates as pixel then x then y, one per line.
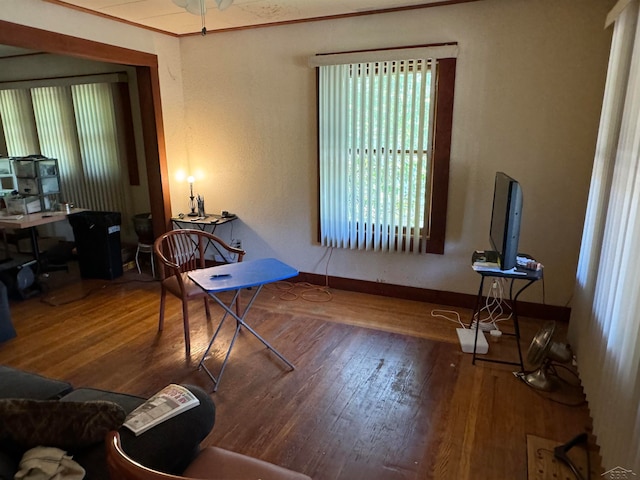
pixel 46 300
pixel 548 397
pixel 554 366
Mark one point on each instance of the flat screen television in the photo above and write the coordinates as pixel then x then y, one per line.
pixel 505 220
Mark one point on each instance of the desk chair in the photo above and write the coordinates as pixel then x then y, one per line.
pixel 212 463
pixel 182 251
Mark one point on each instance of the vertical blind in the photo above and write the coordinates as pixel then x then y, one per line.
pixel 18 122
pixel 605 327
pixel 77 125
pixel 375 139
pixel 104 174
pixel 55 121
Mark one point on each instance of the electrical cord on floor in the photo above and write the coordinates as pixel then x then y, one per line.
pixel 310 292
pixel 552 371
pixel 48 301
pixel 444 314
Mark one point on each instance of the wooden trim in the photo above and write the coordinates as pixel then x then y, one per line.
pixel 155 154
pixel 336 17
pixel 149 92
pixel 129 144
pixel 454 299
pixel 317 129
pixel 443 125
pixel 263 25
pixel 390 49
pixel 43 40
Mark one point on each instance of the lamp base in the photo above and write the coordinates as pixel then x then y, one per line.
pixel 193 214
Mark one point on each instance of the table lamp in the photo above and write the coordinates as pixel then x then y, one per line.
pixel 192 202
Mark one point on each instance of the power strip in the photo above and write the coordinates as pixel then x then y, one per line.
pixel 467 337
pixel 484 326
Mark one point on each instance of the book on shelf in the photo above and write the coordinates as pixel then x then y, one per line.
pixel 167 403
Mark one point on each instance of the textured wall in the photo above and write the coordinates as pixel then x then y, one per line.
pixel 239 114
pixel 528 93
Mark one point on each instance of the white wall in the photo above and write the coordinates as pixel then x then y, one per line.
pixel 528 93
pixel 239 113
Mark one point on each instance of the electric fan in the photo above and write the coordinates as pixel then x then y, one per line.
pixel 542 352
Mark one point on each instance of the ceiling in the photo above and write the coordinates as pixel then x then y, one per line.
pixel 166 16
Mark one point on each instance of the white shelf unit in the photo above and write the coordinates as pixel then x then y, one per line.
pixel 39 178
pixel 8 181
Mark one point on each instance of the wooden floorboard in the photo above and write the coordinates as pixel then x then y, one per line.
pixel 381 390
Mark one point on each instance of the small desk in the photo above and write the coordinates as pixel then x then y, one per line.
pixel 208 223
pixel 529 276
pixel 31 221
pixel 235 277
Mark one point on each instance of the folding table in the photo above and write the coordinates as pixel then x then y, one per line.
pixel 252 274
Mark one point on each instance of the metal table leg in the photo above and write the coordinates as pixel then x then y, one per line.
pixel 239 324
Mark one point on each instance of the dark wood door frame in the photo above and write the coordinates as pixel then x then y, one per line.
pixel 146 65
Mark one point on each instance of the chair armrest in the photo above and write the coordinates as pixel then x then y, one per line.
pixel 171 446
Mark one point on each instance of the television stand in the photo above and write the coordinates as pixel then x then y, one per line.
pixel 485 256
pixel 529 277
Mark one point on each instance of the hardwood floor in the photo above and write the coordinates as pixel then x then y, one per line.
pixel 381 390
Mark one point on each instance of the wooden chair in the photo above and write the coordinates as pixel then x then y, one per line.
pixel 182 251
pixel 212 463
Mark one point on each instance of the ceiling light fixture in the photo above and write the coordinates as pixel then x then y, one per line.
pixel 199 7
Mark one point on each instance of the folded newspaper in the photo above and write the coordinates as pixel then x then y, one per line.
pixel 167 403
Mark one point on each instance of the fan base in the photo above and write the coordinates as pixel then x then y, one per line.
pixel 539 380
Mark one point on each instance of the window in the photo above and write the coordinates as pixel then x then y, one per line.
pixel 80 124
pixel 384 135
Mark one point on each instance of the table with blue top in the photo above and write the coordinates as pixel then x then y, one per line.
pixel 252 274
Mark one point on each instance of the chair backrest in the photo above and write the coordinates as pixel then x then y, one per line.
pixel 184 250
pixel 122 467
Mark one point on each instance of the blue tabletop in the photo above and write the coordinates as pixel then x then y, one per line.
pixel 234 276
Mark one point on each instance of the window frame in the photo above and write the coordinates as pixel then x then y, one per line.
pixel 445 73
